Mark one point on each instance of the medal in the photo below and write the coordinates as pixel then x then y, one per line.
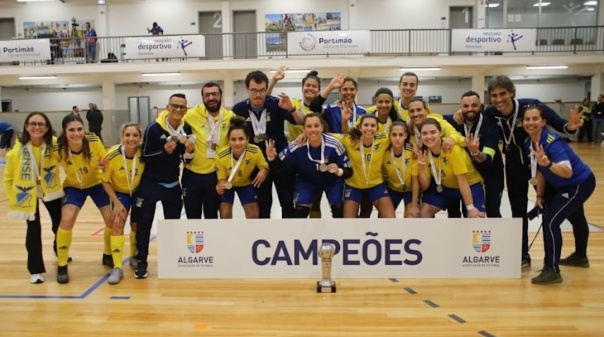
pixel 173 139
pixel 213 146
pixel 439 188
pixel 228 185
pixel 533 181
pixel 259 138
pixel 182 139
pixel 323 167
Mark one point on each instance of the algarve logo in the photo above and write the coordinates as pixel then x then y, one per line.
pixel 308 43
pixel 195 242
pixel 481 241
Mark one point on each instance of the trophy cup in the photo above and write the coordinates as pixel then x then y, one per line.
pixel 326 253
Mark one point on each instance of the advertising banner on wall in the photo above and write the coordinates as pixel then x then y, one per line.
pixel 162 46
pixel 25 50
pixel 277 26
pixel 333 43
pixel 493 40
pixel 388 248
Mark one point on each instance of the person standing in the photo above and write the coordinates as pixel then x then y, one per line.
pixel 598 117
pixel 209 122
pixel 555 166
pixel 586 129
pixel 265 116
pixel 90 43
pixel 508 112
pixel 6 135
pixel 32 174
pixel 166 143
pixel 482 144
pixel 155 29
pixel 94 116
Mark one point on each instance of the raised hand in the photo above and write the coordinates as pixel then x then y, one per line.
pixel 338 80
pixel 285 102
pixel 271 151
pixel 280 74
pixel 473 143
pixel 575 120
pixel 540 156
pixel 421 158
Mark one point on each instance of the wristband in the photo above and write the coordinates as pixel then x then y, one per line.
pixel 470 207
pixel 550 164
pixel 473 154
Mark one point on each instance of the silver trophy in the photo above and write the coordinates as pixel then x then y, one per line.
pixel 326 253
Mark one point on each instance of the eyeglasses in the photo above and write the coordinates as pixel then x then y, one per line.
pixel 38 124
pixel 211 94
pixel 258 92
pixel 178 107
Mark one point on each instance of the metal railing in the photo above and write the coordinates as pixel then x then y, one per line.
pixel 403 42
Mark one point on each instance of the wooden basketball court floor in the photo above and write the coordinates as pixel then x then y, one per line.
pixel 88 306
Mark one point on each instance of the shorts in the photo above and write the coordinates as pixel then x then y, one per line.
pixel 77 197
pixel 246 194
pixel 442 199
pixel 305 192
pixel 374 193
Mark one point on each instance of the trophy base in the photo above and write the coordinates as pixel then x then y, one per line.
pixel 328 289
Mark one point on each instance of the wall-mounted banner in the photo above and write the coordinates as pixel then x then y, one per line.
pixel 164 46
pixel 385 248
pixel 25 50
pixel 493 40
pixel 329 42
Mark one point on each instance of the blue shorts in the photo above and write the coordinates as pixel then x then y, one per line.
pixel 125 199
pixel 246 194
pixel 374 193
pixel 306 192
pixel 397 197
pixel 442 199
pixel 77 197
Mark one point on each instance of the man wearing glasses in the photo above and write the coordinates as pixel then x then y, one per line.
pixel 209 122
pixel 166 142
pixel 265 116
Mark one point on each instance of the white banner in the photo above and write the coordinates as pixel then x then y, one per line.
pixel 384 248
pixel 329 42
pixel 25 50
pixel 493 40
pixel 165 47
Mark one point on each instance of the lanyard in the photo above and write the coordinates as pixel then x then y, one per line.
pixel 418 136
pixel 236 166
pixel 533 158
pixel 401 177
pixel 386 125
pixel 508 140
pixel 366 170
pixel 75 169
pixel 467 128
pixel 129 180
pixel 322 161
pixel 178 133
pixel 213 136
pixel 258 125
pixel 437 176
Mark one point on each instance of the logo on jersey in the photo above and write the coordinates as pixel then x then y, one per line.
pixel 481 241
pixel 308 43
pixel 195 242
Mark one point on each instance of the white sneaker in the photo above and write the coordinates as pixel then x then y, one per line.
pixel 36 278
pixel 116 276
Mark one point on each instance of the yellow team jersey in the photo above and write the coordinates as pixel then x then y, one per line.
pixel 447 130
pixel 293 131
pixel 372 176
pixel 405 163
pixel 200 121
pixel 253 158
pixel 119 176
pixel 383 128
pixel 452 164
pixel 79 172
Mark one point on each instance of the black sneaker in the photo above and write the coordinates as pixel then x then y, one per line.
pixel 141 269
pixel 108 260
pixel 547 276
pixel 526 263
pixel 573 260
pixel 62 276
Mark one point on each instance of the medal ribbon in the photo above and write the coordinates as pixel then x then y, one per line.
pixel 366 170
pixel 468 128
pixel 258 125
pixel 129 180
pixel 401 177
pixel 236 166
pixel 437 177
pixel 322 161
pixel 75 169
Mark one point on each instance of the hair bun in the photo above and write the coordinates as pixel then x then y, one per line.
pixel 313 73
pixel 237 121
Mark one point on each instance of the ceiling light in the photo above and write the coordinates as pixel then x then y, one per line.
pixel 421 69
pixel 493 5
pixel 543 4
pixel 590 3
pixel 590 9
pixel 48 77
pixel 34 0
pixel 161 74
pixel 100 2
pixel 560 66
pixel 293 71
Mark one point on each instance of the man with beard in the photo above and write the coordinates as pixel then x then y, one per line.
pixel 209 123
pixel 265 116
pixel 482 143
